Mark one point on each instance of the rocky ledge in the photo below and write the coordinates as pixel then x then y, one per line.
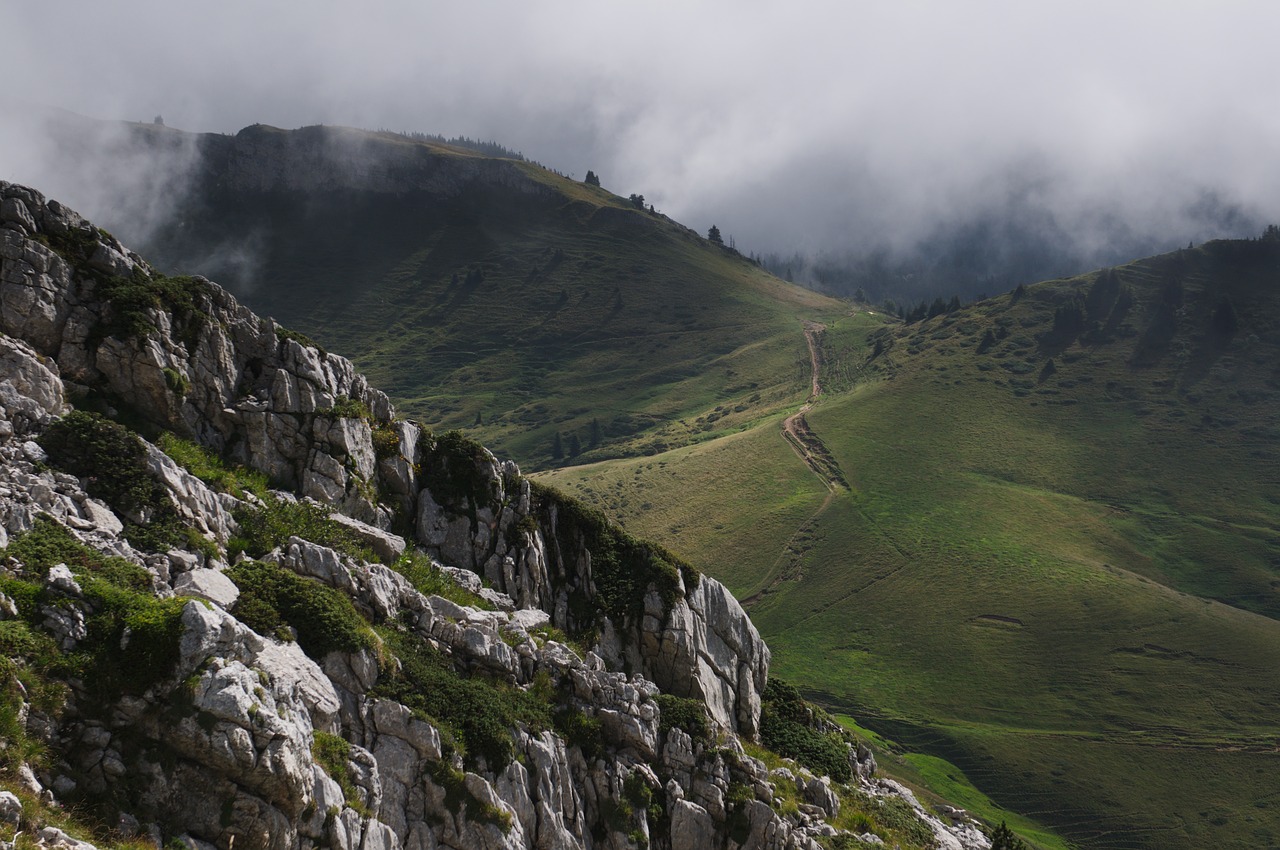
pixel 242 604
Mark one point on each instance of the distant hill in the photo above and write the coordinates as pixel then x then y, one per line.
pixel 490 293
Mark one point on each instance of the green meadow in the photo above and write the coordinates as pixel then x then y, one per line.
pixel 1063 581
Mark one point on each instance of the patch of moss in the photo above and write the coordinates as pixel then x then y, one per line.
pixel 273 598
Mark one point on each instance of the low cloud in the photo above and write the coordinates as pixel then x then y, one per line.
pixel 821 127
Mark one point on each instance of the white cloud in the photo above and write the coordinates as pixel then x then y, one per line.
pixel 807 124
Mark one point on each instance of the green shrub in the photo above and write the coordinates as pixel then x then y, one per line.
pixel 176 382
pixel 263 529
pixel 118 603
pixel 113 462
pixel 478 714
pixel 429 581
pixel 298 337
pixel 452 471
pixel 457 796
pixel 623 568
pixel 272 598
pixel 683 713
pixel 386 442
pixel 347 408
pixel 49 543
pixel 788 727
pixel 132 299
pixel 333 753
pixel 579 729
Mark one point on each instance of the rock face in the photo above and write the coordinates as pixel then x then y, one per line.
pixel 207 731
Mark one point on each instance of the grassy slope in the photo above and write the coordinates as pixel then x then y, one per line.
pixel 587 308
pixel 1021 579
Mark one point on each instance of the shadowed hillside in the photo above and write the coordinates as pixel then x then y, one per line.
pixel 492 293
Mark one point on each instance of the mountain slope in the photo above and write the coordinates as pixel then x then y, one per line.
pixel 1058 563
pixel 191 658
pixel 491 293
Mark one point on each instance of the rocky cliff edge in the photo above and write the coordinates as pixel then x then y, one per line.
pixel 328 627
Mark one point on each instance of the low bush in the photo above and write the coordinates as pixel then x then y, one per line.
pixel 263 529
pixel 333 753
pixel 429 581
pixel 789 727
pixel 112 461
pixel 683 713
pixel 273 599
pixel 210 469
pixel 623 567
pixel 478 714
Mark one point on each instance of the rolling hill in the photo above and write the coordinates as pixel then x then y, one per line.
pixel 491 293
pixel 1058 565
pixel 1038 539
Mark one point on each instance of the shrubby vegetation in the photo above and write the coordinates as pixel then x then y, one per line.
pixel 210 469
pixel 429 581
pixel 624 567
pixel 475 715
pixel 263 529
pixel 273 600
pixel 118 601
pixel 789 726
pixel 333 753
pixel 112 461
pixel 133 298
pixel 689 715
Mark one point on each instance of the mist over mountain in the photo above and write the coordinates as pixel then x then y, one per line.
pixel 1041 140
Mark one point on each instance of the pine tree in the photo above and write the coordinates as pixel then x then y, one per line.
pixel 594 440
pixel 591 179
pixel 557 448
pixel 575 446
pixel 713 235
pixel 1004 839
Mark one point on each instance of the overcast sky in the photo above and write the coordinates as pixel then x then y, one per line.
pixel 796 125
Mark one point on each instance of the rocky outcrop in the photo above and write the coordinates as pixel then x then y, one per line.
pixel 193 726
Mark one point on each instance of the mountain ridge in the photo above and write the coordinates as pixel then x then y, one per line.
pixel 271 707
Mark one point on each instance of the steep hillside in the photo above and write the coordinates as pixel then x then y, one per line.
pixel 193 659
pixel 487 293
pixel 1058 562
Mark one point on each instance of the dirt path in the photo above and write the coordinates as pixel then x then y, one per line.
pixel 795 428
pixel 810 448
